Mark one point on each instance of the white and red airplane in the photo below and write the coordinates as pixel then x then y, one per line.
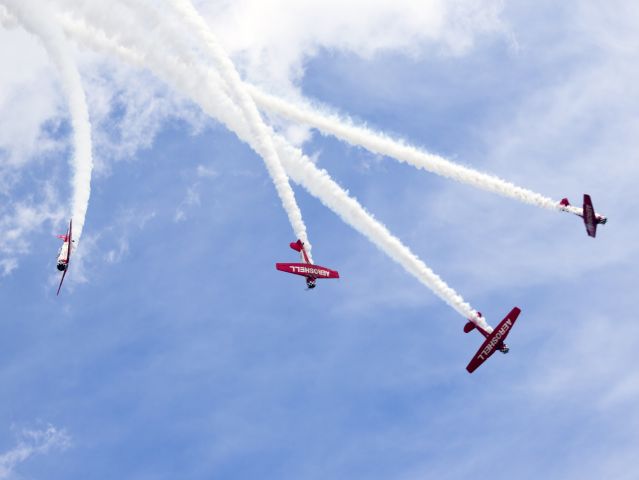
pixel 306 268
pixel 591 218
pixel 494 340
pixel 65 254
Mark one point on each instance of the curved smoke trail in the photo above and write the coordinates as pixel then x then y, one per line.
pixel 36 19
pixel 263 137
pixel 345 129
pixel 180 74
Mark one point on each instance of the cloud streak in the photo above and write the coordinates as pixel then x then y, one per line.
pixel 32 443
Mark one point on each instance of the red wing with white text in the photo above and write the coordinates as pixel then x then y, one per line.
pixel 494 340
pixel 306 269
pixel 65 254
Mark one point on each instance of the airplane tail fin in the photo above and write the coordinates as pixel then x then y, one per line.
pixel 297 246
pixel 564 202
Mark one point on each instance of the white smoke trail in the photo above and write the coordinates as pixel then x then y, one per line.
pixel 36 18
pixel 345 129
pixel 181 75
pixel 321 185
pixel 263 140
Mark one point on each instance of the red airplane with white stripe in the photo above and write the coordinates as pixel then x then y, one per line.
pixel 306 268
pixel 494 340
pixel 64 254
pixel 591 218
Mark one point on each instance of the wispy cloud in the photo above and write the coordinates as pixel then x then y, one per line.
pixel 273 41
pixel 108 245
pixel 20 219
pixel 203 173
pixel 31 443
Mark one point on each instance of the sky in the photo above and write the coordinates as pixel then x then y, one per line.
pixel 175 348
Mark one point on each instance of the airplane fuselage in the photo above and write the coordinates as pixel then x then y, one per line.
pixel 306 268
pixel 63 256
pixel 497 342
pixel 312 272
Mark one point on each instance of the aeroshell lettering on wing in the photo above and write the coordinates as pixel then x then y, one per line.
pixel 495 340
pixel 310 271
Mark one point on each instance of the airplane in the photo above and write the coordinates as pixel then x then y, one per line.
pixel 64 254
pixel 591 218
pixel 306 268
pixel 494 340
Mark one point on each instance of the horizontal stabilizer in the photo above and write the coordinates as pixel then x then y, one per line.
pixel 297 246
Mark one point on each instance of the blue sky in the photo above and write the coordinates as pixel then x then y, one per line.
pixel 176 349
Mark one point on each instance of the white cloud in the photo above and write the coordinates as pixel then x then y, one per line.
pixel 274 39
pixel 30 443
pixel 108 245
pixel 192 197
pixel 204 171
pixel 21 218
pixel 129 108
pixel 580 112
pixel 29 99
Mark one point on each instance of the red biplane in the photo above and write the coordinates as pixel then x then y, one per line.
pixel 591 218
pixel 65 254
pixel 494 340
pixel 306 268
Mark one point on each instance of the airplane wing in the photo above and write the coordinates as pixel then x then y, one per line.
pixel 590 219
pixel 69 233
pixel 61 280
pixel 497 336
pixel 307 270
